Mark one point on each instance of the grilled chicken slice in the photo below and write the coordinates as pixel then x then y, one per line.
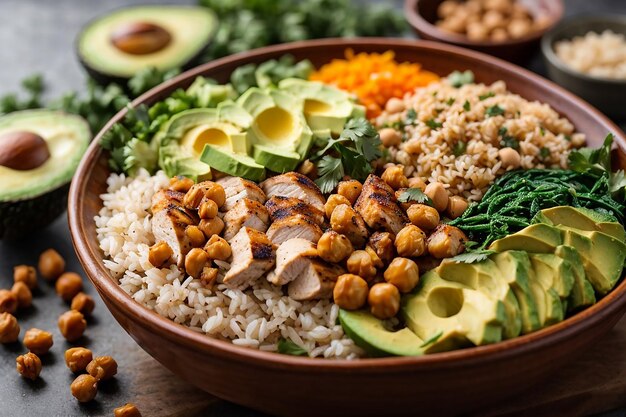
pixel 293 184
pixel 253 256
pixel 237 188
pixel 282 207
pixel 316 281
pixel 296 226
pixel 248 213
pixel 163 198
pixel 377 205
pixel 292 257
pixel 169 224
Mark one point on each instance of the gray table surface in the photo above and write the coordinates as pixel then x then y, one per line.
pixel 38 36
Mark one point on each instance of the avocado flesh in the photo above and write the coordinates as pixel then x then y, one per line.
pixel 370 334
pixel 228 162
pixel 582 294
pixel 486 277
pixel 280 160
pixel 515 269
pixel 549 305
pixel 191 29
pixel 583 219
pixel 536 238
pixel 462 315
pixel 554 272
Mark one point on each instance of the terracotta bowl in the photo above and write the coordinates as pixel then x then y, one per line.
pixel 439 384
pixel 422 15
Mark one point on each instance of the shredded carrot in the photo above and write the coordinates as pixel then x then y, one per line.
pixel 374 78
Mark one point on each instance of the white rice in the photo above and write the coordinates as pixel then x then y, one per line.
pixel 256 318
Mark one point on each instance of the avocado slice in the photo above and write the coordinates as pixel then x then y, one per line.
pixel 515 269
pixel 236 164
pixel 279 159
pixel 370 334
pixel 548 302
pixel 536 238
pixel 555 272
pixel 116 46
pixel 581 218
pixel 462 316
pixel 486 277
pixel 582 294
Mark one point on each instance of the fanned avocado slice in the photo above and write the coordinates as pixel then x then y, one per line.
pixel 554 272
pixel 583 219
pixel 582 294
pixel 536 238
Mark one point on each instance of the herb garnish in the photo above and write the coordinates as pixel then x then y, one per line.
pixel 544 153
pixel 416 195
pixel 507 141
pixel 450 101
pixel 494 111
pixel 458 79
pixel 459 148
pixel 473 257
pixel 467 106
pixel 287 347
pixel 433 124
pixel 486 95
pixel 411 117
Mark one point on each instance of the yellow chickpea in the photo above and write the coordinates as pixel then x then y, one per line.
pixel 72 325
pixel 68 285
pixel 23 294
pixel 308 168
pixel 410 241
pixel 382 244
pixel 26 274
pixel 216 193
pixel 423 216
pixel 78 358
pixel 83 303
pixel 218 248
pixel 84 388
pixel 395 178
pixel 346 221
pixel 350 189
pixel 127 410
pixel 350 292
pixel 403 273
pixel 438 194
pixel 205 190
pixel 181 184
pixel 195 261
pixel 28 365
pixel 38 341
pixel 195 235
pixel 159 253
pixel 390 137
pixel 417 182
pixel 510 158
pixel 446 241
pixel 456 206
pixel 208 277
pixel 211 227
pixel 360 263
pixel 8 302
pixel 9 328
pixel 102 368
pixel 333 201
pixel 51 264
pixel 208 209
pixel 334 247
pixel 384 300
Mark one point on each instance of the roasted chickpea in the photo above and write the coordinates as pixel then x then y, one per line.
pixel 395 178
pixel 8 302
pixel 410 241
pixel 394 105
pixel 195 235
pixel 26 274
pixel 68 285
pixel 127 410
pixel 476 31
pixel 360 263
pixel 519 28
pixel 456 206
pixel 382 243
pixel 350 189
pixel 376 261
pixel 84 388
pixel 211 227
pixel 348 222
pixel 423 216
pixel 499 35
pixel 216 193
pixel 83 303
pixel 384 300
pixel 159 253
pixel 181 184
pixel 23 295
pixel 102 368
pixel 446 241
pixel 51 264
pixel 334 247
pixel 208 210
pixel 308 168
pixel 38 341
pixel 208 277
pixel 9 328
pixel 403 273
pixel 390 137
pixel 195 261
pixel 438 194
pixel 72 325
pixel 218 248
pixel 78 358
pixel 333 201
pixel 510 158
pixel 203 191
pixel 28 365
pixel 350 292
pixel 417 182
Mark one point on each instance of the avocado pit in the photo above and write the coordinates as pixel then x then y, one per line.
pixel 23 150
pixel 140 38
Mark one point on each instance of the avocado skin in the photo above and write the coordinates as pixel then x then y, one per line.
pixel 17 218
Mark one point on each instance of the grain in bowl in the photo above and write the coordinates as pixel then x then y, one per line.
pixel 595 54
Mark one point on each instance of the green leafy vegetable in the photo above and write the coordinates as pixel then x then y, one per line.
pixel 269 73
pixel 458 79
pixel 416 195
pixel 33 86
pixel 544 152
pixel 473 256
pixel 433 124
pixel 411 117
pixel 450 101
pixel 507 141
pixel 467 106
pixel 459 148
pixel 287 347
pixel 494 111
pixel 486 96
pixel 148 78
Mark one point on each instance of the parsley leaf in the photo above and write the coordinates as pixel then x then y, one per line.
pixel 411 117
pixel 331 172
pixel 473 257
pixel 507 140
pixel 458 79
pixel 595 161
pixel 486 96
pixel 365 138
pixel 467 106
pixel 494 111
pixel 287 347
pixel 617 185
pixel 416 195
pixel 432 339
pixel 433 124
pixel 544 152
pixel 459 148
pixel 450 101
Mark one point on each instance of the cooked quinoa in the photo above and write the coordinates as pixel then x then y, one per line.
pixel 457 133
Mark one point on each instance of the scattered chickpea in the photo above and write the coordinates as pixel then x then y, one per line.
pixel 499 35
pixel 216 193
pixel 28 365
pixel 350 189
pixel 456 206
pixel 218 248
pixel 376 261
pixel 510 158
pixel 394 105
pixel 350 292
pixel 195 235
pixel 390 137
pixel 446 241
pixel 23 294
pixel 68 285
pixel 72 325
pixel 417 182
pixel 78 358
pixel 423 216
pixel 308 168
pixel 384 300
pixel 83 303
pixel 102 368
pixel 211 227
pixel 346 221
pixel 333 201
pixel 410 241
pixel 84 388
pixel 9 328
pixel 51 264
pixel 438 194
pixel 195 261
pixel 181 184
pixel 208 277
pixel 26 274
pixel 38 341
pixel 8 302
pixel 127 410
pixel 395 178
pixel 159 253
pixel 382 243
pixel 403 273
pixel 203 191
pixel 334 247
pixel 208 210
pixel 360 263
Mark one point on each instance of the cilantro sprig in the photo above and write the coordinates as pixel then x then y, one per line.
pixel 415 195
pixel 287 347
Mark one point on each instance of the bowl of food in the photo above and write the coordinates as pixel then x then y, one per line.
pixel 308 221
pixel 585 54
pixel 508 29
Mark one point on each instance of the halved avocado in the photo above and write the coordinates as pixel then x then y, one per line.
pixel 39 152
pixel 116 46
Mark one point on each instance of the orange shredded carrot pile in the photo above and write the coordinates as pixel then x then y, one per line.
pixel 374 78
